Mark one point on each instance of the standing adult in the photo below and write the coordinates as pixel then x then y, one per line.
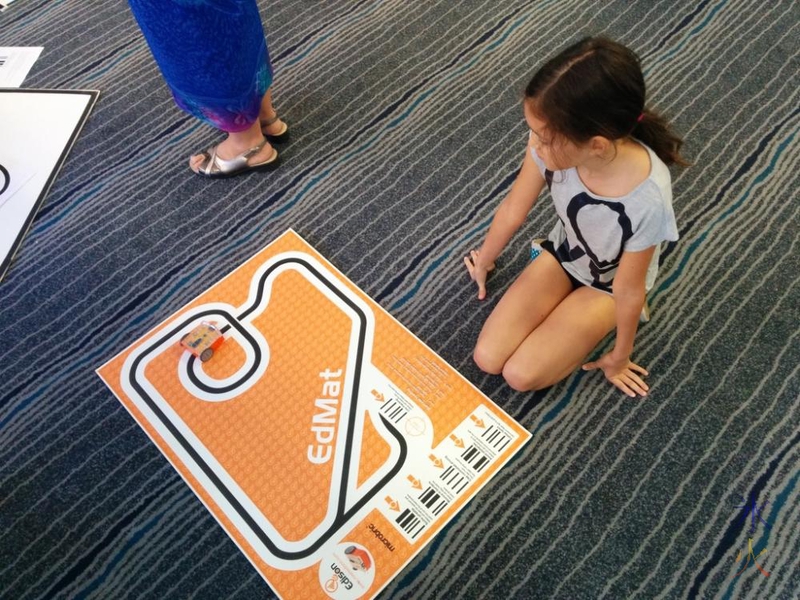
pixel 214 57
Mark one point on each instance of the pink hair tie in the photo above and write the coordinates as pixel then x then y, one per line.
pixel 640 118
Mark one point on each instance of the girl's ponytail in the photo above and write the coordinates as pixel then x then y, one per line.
pixel 653 129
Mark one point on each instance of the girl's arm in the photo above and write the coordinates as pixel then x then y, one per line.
pixel 509 217
pixel 629 297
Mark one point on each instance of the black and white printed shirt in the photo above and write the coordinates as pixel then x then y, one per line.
pixel 593 231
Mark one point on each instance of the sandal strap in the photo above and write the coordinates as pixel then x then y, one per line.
pixel 253 150
pixel 211 159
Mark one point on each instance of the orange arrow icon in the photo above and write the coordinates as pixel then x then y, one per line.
pixel 477 421
pixel 458 441
pixel 415 482
pixel 436 462
pixel 393 504
pixel 378 395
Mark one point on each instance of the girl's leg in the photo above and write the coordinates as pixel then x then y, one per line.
pixel 267 114
pixel 237 143
pixel 561 343
pixel 526 304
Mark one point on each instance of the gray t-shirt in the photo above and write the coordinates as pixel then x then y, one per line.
pixel 593 231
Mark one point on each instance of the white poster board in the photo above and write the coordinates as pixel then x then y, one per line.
pixel 38 130
pixel 16 63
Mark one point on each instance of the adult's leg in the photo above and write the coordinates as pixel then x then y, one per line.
pixel 560 344
pixel 270 124
pixel 535 293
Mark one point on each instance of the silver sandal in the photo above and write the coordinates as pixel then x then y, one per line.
pixel 215 167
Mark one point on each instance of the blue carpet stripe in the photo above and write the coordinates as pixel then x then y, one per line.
pixel 685 22
pixel 39 12
pixel 319 37
pixel 697 29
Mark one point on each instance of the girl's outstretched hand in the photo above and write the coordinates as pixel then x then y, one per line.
pixel 477 273
pixel 622 373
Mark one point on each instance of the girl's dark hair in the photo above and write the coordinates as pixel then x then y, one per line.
pixel 596 87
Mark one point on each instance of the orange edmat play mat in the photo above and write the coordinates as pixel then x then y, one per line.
pixel 328 441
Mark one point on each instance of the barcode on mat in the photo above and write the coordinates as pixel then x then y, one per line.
pixel 394 410
pixel 433 501
pixel 453 479
pixel 410 523
pixel 476 458
pixel 496 438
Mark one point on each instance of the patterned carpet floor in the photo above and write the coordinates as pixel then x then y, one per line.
pixel 407 132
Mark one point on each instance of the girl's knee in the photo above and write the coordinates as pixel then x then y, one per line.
pixel 487 361
pixel 524 378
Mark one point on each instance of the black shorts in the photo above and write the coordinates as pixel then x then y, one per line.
pixel 548 245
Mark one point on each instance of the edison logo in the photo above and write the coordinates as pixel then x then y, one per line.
pixel 348 572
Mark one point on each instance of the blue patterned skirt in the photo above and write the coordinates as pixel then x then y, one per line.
pixel 213 56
